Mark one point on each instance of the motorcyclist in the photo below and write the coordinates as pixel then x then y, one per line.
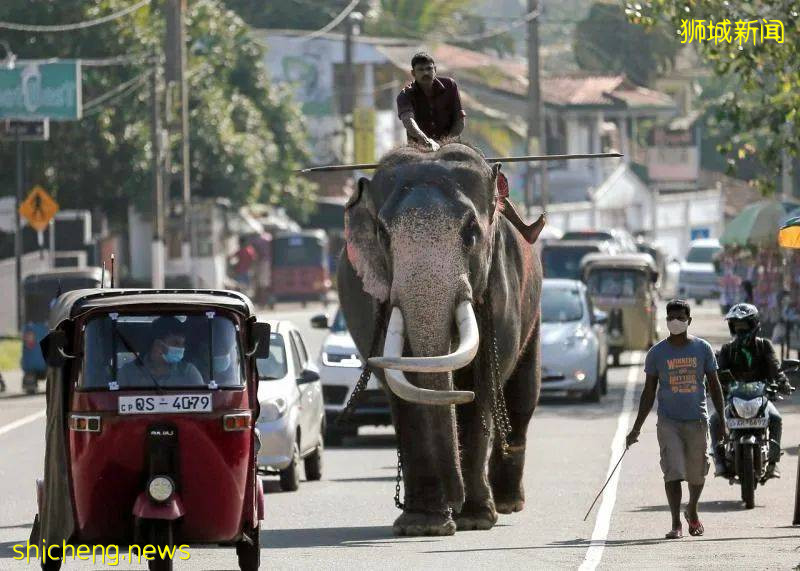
pixel 750 357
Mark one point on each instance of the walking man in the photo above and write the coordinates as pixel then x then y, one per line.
pixel 677 367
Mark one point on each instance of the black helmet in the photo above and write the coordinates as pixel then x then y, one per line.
pixel 743 312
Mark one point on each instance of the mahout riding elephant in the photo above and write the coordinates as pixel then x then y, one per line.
pixel 428 249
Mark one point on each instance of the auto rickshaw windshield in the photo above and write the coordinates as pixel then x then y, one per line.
pixel 616 282
pixel 161 351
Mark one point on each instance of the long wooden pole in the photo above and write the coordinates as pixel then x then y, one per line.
pixel 525 158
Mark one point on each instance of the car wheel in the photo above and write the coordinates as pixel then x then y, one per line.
pixel 334 436
pixel 290 476
pixel 594 394
pixel 313 464
pixel 604 381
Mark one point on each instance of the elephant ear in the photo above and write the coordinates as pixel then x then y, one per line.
pixel 363 249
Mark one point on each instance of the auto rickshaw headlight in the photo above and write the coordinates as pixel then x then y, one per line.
pixel 160 488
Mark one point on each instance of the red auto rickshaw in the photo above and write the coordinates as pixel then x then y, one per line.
pixel 151 412
pixel 300 267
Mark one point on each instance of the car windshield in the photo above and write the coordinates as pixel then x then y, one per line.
pixel 339 325
pixel 565 261
pixel 561 304
pixel 701 255
pixel 161 351
pixel 273 367
pixel 616 283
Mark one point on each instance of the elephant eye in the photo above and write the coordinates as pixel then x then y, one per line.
pixel 383 235
pixel 470 233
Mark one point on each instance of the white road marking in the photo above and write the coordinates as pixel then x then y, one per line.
pixel 22 421
pixel 598 542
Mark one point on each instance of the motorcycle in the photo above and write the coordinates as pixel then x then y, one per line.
pixel 747 449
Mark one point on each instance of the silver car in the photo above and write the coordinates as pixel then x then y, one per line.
pixel 574 344
pixel 292 419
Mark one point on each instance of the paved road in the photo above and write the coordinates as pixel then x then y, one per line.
pixel 344 521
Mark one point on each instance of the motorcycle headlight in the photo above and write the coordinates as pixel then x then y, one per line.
pixel 343 359
pixel 747 408
pixel 272 410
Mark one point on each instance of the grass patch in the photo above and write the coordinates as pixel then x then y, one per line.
pixel 10 354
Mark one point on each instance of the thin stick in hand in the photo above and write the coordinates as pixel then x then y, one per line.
pixel 606 484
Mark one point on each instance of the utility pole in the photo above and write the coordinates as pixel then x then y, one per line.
pixel 348 94
pixel 157 252
pixel 176 73
pixel 18 229
pixel 535 119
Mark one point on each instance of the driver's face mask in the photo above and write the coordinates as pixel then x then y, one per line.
pixel 222 362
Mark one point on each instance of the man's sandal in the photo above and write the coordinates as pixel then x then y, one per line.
pixel 696 528
pixel 674 534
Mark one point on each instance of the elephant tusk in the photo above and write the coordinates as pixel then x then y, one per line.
pixel 469 340
pixel 399 385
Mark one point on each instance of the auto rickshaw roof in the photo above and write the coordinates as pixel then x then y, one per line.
pixel 630 261
pixel 91 272
pixel 78 301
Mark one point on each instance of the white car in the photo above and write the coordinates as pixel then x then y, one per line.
pixel 573 340
pixel 292 420
pixel 340 366
pixel 698 279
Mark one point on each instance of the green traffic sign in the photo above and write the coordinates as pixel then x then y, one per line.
pixel 38 89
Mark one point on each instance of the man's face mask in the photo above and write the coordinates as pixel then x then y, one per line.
pixel 743 332
pixel 676 326
pixel 173 355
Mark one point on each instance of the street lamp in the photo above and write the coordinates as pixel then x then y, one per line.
pixel 10 58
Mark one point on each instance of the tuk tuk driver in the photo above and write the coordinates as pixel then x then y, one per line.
pixel 430 110
pixel 164 361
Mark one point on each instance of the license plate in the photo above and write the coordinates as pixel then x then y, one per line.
pixel 172 404
pixel 747 422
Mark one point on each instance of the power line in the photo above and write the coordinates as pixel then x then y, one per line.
pixel 118 90
pixel 75 26
pixel 532 15
pixel 332 24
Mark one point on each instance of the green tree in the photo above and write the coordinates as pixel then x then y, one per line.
pixel 246 135
pixel 607 42
pixel 760 109
pixel 287 14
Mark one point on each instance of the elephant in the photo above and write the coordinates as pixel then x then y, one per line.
pixel 426 244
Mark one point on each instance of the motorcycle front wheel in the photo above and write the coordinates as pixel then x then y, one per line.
pixel 748 477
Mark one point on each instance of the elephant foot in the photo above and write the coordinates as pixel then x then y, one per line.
pixel 474 517
pixel 420 524
pixel 511 503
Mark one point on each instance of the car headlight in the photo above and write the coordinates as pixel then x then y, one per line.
pixel 272 410
pixel 578 337
pixel 341 359
pixel 580 376
pixel 160 488
pixel 747 408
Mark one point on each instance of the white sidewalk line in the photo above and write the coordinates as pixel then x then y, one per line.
pixel 601 526
pixel 22 421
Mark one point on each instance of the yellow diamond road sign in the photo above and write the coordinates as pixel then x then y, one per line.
pixel 39 208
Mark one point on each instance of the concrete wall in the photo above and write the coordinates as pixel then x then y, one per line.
pixel 31 263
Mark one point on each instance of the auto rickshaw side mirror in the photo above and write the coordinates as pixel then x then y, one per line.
pixel 790 364
pixel 307 376
pixel 320 321
pixel 259 340
pixel 599 317
pixel 53 348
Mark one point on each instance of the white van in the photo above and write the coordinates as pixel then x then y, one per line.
pixel 698 279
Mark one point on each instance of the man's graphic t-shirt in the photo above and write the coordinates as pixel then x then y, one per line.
pixel 681 375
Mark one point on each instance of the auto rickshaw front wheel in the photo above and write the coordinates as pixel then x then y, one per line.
pixel 248 551
pixel 30 383
pixel 160 536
